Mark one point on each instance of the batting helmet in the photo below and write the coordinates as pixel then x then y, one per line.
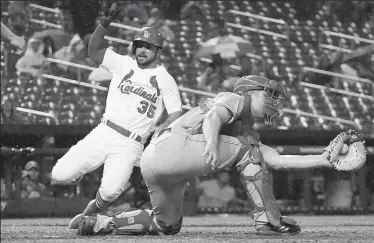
pixel 274 93
pixel 150 35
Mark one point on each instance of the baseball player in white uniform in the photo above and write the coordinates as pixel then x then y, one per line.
pixel 139 92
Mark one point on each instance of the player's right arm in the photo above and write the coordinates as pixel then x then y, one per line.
pixel 226 109
pixel 96 45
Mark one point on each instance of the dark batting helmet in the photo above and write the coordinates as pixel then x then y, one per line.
pixel 149 35
pixel 275 93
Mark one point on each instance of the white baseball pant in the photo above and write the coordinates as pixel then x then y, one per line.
pixel 102 145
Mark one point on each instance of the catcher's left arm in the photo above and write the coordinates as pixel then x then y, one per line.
pixel 278 162
pixel 346 152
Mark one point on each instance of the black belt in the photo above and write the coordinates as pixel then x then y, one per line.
pixel 164 131
pixel 122 130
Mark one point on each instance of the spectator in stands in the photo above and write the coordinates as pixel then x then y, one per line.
pixel 215 74
pixel 32 62
pixel 31 187
pixel 134 15
pixel 217 28
pixel 244 68
pixel 362 11
pixel 7 108
pixel 75 52
pixel 4 195
pixel 192 10
pixel 69 52
pixel 83 58
pixel 18 17
pixel 158 21
pixel 217 192
pixel 135 10
pixel 49 46
pixel 47 162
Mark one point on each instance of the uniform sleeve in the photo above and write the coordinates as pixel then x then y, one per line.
pixel 233 102
pixel 171 96
pixel 113 62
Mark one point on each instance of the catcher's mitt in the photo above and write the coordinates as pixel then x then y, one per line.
pixel 347 151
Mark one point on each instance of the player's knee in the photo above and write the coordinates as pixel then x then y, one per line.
pixel 63 176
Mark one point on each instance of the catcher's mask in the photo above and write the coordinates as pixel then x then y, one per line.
pixel 274 93
pixel 148 35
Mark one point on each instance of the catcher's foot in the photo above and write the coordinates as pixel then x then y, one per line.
pixel 287 227
pixel 86 225
pixel 75 221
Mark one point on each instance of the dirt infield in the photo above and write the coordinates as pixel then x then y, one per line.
pixel 200 229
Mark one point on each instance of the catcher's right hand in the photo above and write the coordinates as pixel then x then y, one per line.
pixel 109 13
pixel 347 151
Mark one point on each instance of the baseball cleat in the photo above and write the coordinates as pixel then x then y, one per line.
pixel 287 227
pixel 86 225
pixel 75 221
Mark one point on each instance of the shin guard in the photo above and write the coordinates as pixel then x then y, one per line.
pixel 138 222
pixel 255 179
pixel 132 222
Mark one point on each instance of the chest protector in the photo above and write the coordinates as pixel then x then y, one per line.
pixel 254 175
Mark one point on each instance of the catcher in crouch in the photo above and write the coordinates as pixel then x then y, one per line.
pixel 213 136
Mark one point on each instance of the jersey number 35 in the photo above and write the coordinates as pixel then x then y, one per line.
pixel 145 106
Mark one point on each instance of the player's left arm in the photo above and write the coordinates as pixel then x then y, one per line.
pixel 172 101
pixel 276 161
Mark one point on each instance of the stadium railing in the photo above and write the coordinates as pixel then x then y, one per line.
pixel 121 26
pixel 263 18
pixel 71 64
pixel 52 10
pixel 250 55
pixel 39 113
pixel 194 93
pixel 305 70
pixel 44 22
pixel 342 36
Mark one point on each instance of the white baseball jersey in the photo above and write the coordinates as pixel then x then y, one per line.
pixel 137 97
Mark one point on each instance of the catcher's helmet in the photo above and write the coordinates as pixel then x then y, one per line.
pixel 150 35
pixel 274 93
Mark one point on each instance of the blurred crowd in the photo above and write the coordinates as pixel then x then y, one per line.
pixel 221 190
pixel 221 70
pixel 219 74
